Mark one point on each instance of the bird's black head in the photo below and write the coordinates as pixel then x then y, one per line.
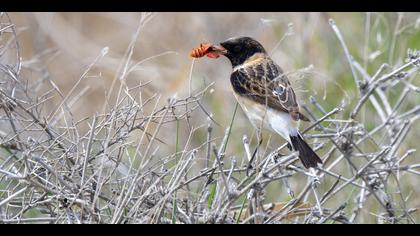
pixel 239 49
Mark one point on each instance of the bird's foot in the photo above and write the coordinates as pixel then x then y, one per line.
pixel 289 146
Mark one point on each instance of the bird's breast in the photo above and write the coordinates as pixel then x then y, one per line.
pixel 263 117
pixel 255 112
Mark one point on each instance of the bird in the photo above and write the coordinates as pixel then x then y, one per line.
pixel 264 93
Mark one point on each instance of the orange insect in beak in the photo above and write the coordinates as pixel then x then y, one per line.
pixel 208 50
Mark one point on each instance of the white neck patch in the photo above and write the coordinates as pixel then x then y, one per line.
pixel 251 60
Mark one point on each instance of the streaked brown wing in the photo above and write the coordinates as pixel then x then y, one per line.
pixel 266 84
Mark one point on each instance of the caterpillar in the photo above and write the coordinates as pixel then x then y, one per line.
pixel 205 49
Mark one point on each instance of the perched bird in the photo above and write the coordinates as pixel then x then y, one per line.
pixel 265 93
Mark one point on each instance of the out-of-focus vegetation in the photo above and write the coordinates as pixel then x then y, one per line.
pixel 97 62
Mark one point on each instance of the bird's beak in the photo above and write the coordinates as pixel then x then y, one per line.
pixel 219 49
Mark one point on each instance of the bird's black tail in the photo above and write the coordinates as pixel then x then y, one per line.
pixel 306 155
